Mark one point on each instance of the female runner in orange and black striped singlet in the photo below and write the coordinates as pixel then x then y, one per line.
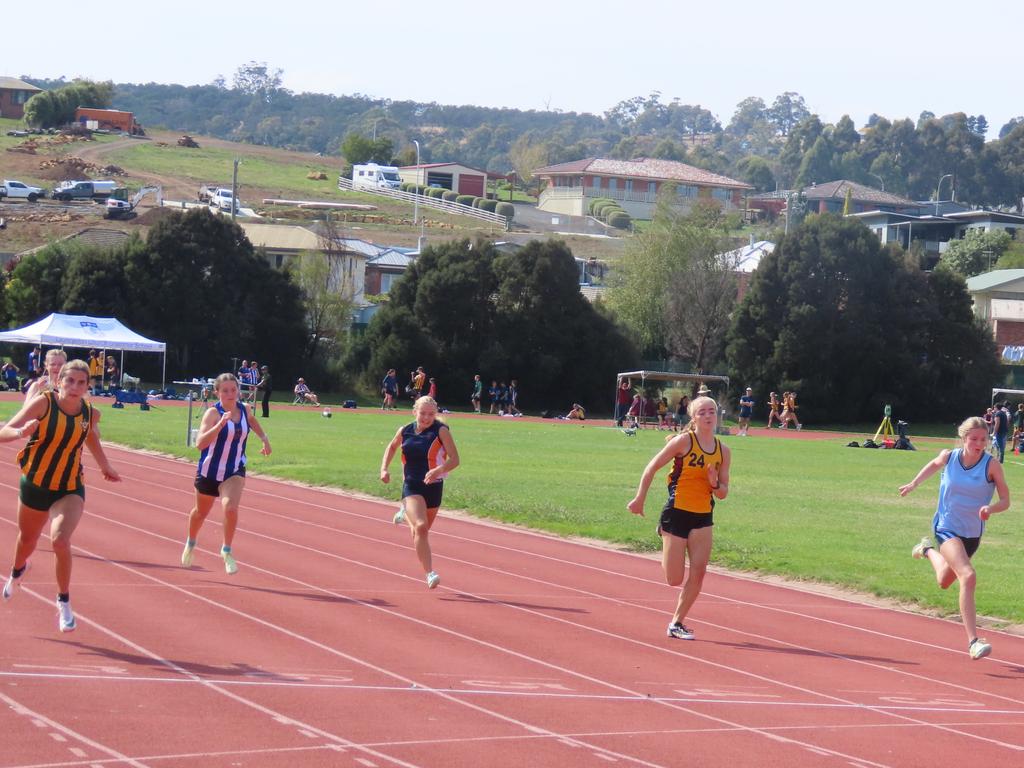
pixel 52 488
pixel 699 476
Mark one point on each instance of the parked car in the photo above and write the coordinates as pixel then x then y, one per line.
pixel 224 200
pixel 84 190
pixel 12 188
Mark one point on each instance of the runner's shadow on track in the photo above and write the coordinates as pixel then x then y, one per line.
pixel 820 654
pixel 129 563
pixel 376 602
pixel 134 662
pixel 1014 672
pixel 473 599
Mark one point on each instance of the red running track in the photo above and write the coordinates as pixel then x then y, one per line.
pixel 326 649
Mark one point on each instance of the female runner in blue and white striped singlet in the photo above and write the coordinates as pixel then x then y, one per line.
pixel 222 436
pixel 969 480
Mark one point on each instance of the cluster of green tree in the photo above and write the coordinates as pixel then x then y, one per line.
pixel 464 309
pixel 56 107
pixel 853 326
pixel 782 144
pixel 195 282
pixel 832 314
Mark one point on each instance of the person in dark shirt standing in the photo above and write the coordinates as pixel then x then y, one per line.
pixel 266 388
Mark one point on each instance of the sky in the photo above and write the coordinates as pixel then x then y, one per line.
pixel 895 58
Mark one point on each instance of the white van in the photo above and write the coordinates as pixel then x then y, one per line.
pixel 375 176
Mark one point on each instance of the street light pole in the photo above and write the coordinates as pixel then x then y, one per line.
pixel 416 210
pixel 938 187
pixel 234 189
pixel 416 200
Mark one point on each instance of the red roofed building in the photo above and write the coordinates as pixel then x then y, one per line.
pixel 635 184
pixel 13 95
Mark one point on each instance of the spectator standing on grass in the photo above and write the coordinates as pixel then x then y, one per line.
pixel 774 410
pixel 419 383
pixel 112 373
pixel 428 455
pixel 492 393
pixel 34 363
pixel 1018 427
pixel 969 480
pixel 477 395
pixel 95 372
pixel 389 389
pixel 699 476
pixel 1001 428
pixel 513 398
pixel 265 387
pixel 61 422
pixel 623 397
pixel 432 389
pixel 49 381
pixel 223 433
pixel 682 413
pixel 746 411
pixel 249 392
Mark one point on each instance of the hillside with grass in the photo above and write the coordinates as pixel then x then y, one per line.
pixel 264 173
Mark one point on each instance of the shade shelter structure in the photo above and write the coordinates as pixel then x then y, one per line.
pixel 86 332
pixel 670 377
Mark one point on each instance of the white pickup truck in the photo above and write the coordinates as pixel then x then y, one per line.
pixel 12 188
pixel 223 199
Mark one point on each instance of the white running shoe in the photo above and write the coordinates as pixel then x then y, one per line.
pixel 65 618
pixel 12 584
pixel 433 580
pixel 681 631
pixel 186 555
pixel 979 649
pixel 918 551
pixel 399 517
pixel 230 566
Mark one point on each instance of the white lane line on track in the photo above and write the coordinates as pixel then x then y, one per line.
pixel 978 709
pixel 397 614
pixel 572 623
pixel 771 680
pixel 632 604
pixel 277 716
pixel 259 707
pixel 81 738
pixel 549 538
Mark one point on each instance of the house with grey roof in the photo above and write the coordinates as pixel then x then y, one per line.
pixel 935 230
pixel 999 300
pixel 634 184
pixel 13 95
pixel 831 198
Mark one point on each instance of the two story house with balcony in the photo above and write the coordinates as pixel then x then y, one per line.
pixel 635 184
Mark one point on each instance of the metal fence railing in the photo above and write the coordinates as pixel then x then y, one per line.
pixel 434 203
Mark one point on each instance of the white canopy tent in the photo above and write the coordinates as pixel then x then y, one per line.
pixel 996 391
pixel 88 333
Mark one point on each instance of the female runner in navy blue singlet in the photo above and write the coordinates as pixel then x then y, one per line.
pixel 222 436
pixel 428 455
pixel 969 480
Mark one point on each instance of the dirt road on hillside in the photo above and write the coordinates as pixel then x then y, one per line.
pixel 174 188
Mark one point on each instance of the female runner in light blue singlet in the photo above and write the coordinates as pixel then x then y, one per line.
pixel 969 478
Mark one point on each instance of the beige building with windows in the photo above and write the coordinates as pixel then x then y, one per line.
pixel 634 184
